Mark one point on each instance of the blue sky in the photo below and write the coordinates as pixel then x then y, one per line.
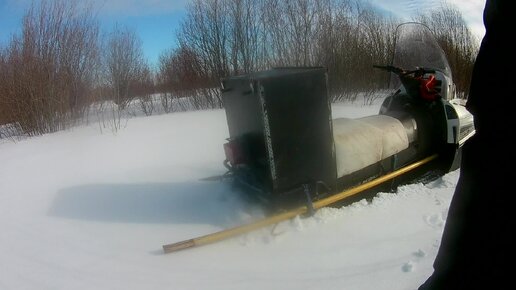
pixel 156 21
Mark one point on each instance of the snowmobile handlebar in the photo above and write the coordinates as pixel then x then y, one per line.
pixel 415 82
pixel 401 72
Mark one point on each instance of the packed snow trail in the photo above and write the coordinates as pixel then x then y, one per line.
pixel 85 210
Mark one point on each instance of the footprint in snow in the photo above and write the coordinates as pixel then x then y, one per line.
pixel 419 253
pixel 408 267
pixel 434 220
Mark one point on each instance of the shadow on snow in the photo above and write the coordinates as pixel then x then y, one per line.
pixel 177 203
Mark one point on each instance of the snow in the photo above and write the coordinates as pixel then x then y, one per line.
pixel 84 209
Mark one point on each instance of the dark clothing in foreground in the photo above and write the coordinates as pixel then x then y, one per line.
pixel 477 247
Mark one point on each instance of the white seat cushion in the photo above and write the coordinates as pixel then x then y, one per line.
pixel 364 141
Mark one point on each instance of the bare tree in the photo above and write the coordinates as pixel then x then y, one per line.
pixel 48 70
pixel 182 75
pixel 456 40
pixel 123 59
pixel 205 31
pixel 244 39
pixel 143 88
pixel 220 38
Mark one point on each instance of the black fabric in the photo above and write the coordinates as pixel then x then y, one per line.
pixel 492 93
pixel 476 250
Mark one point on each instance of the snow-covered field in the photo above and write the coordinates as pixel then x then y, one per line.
pixel 81 209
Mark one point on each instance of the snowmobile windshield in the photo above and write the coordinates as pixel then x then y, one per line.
pixel 416 47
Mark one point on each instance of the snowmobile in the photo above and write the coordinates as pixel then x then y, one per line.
pixel 285 148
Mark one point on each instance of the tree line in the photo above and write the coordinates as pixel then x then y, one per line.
pixel 61 63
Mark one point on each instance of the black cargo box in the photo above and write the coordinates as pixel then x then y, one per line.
pixel 282 118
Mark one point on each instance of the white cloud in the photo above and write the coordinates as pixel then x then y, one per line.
pixel 471 10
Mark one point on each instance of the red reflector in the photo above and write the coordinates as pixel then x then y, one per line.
pixel 233 153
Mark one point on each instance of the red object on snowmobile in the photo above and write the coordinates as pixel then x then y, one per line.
pixel 428 88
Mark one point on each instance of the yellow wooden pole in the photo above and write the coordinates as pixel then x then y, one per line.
pixel 229 233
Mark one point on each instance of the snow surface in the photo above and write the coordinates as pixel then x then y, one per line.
pixel 81 209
